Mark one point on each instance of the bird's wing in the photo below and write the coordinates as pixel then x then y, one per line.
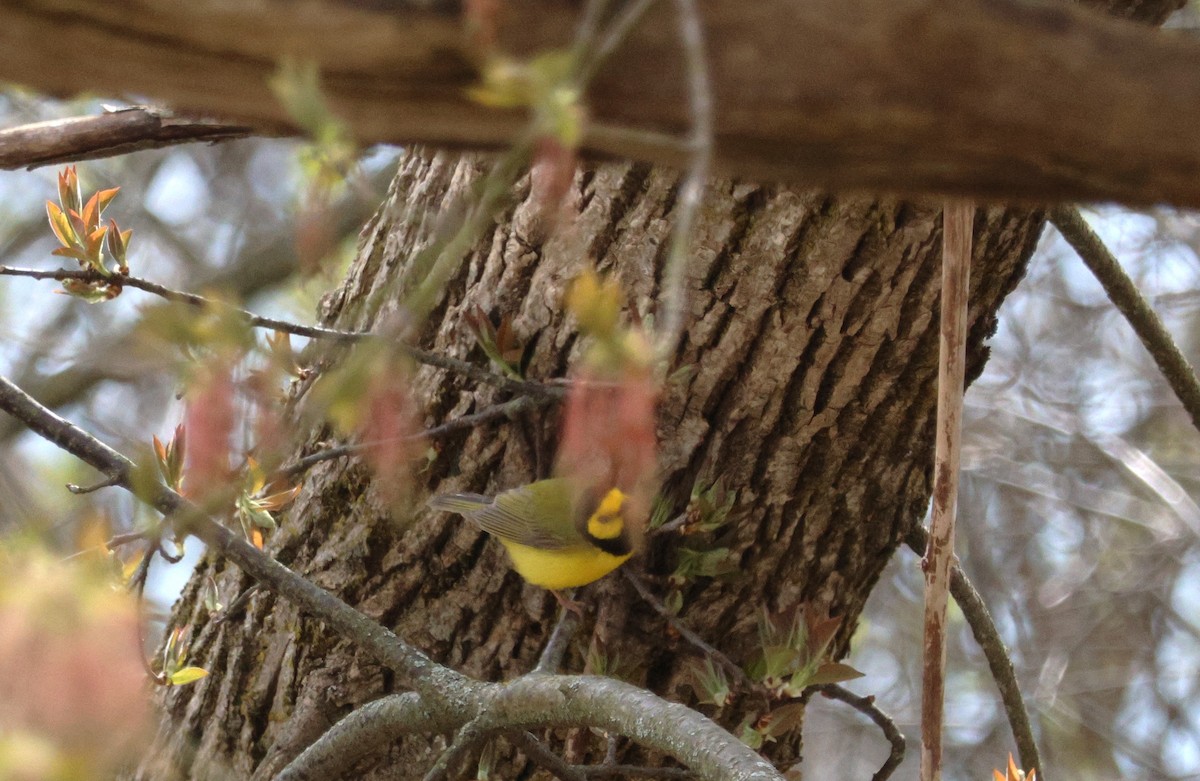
pixel 512 516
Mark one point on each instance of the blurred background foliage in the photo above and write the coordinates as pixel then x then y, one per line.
pixel 1078 521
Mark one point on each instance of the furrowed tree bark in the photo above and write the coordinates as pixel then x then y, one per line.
pixel 992 99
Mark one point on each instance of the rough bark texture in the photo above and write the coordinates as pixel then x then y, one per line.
pixel 992 99
pixel 812 340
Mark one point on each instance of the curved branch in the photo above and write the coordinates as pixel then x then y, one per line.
pixel 469 370
pixel 867 707
pixel 366 730
pixel 1125 295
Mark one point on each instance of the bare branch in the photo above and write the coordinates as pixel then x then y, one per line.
pixel 509 409
pixel 634 771
pixel 466 740
pixel 546 758
pixel 1129 301
pixel 701 143
pixel 688 634
pixel 551 658
pixel 411 665
pixel 79 490
pixel 867 707
pixel 367 729
pixel 468 370
pixel 957 222
pixel 820 94
pixel 113 133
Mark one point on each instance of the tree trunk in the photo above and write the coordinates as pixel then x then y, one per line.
pixel 811 341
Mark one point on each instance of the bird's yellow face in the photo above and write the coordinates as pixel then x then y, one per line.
pixel 606 521
pixel 605 527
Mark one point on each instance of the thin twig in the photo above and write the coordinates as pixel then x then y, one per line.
pixel 654 602
pixel 614 36
pixel 113 133
pixel 1129 301
pixel 589 24
pixel 610 750
pixel 678 522
pixel 867 707
pixel 508 409
pixel 137 584
pixel 191 299
pixel 691 33
pixel 551 659
pixel 464 741
pixel 999 662
pixel 957 221
pixel 124 539
pixel 544 757
pixel 468 370
pixel 237 604
pixel 78 490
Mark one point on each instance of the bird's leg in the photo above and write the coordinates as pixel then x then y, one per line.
pixel 565 599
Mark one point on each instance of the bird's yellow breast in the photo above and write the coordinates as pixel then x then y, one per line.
pixel 561 568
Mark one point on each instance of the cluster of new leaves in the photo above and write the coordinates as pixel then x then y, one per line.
pixel 609 428
pixel 79 228
pixel 548 85
pixel 169 456
pixel 172 668
pixel 1014 773
pixel 233 386
pixel 257 500
pixel 795 655
pixel 706 515
pixel 499 344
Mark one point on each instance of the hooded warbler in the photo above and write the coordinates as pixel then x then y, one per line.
pixel 556 536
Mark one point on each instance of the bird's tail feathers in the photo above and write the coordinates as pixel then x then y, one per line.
pixel 459 503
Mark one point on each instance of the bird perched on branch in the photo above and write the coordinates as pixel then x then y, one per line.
pixel 557 536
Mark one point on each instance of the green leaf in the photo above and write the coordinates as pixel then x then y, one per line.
pixel 60 224
pixel 710 683
pixel 704 564
pixel 212 601
pixel 752 737
pixel 187 675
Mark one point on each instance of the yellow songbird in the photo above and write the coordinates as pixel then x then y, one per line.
pixel 556 539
